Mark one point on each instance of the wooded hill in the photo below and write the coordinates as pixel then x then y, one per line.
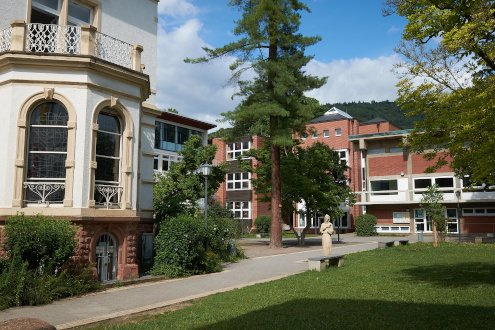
pixel 364 111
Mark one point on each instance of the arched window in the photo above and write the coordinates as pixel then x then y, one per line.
pixel 46 154
pixel 108 188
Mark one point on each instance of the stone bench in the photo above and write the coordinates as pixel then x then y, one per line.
pixel 382 245
pixel 319 263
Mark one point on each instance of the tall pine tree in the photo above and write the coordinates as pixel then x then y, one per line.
pixel 270 45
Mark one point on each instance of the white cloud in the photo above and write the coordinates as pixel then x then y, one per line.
pixel 198 90
pixel 195 90
pixel 176 8
pixel 359 79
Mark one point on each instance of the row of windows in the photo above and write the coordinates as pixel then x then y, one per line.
pixel 172 137
pixel 419 184
pixel 50 11
pixel 237 149
pixel 326 134
pixel 47 154
pixel 383 150
pixel 241 210
pixel 239 181
pixel 162 162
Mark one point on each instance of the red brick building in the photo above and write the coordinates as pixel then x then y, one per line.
pixel 387 179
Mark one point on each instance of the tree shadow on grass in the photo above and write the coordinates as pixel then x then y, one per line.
pixel 361 314
pixel 458 275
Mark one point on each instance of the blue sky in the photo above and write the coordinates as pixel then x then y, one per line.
pixel 356 53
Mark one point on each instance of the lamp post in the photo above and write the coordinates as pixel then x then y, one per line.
pixel 206 170
pixel 458 194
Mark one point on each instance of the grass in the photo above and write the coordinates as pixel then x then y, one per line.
pixel 406 287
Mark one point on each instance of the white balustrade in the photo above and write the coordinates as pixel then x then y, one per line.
pixel 111 194
pixel 67 39
pixel 44 189
pixel 51 38
pixel 5 39
pixel 113 50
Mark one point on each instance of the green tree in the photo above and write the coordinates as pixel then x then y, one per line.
pixel 177 190
pixel 314 175
pixel 448 76
pixel 435 211
pixel 270 45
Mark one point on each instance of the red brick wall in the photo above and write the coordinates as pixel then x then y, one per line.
pixel 221 157
pixel 335 142
pixel 391 165
pixel 386 216
pixel 419 164
pixel 377 128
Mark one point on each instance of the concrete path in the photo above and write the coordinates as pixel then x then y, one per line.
pixel 124 301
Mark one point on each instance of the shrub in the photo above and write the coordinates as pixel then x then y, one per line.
pixel 263 223
pixel 41 241
pixel 180 245
pixel 365 225
pixel 36 270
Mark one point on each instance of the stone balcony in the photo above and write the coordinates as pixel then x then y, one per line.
pixel 69 40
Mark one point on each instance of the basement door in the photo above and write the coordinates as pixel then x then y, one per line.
pixel 106 257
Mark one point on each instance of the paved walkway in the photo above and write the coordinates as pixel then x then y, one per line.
pixel 263 265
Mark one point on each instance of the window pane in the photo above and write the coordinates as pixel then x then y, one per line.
pixel 422 183
pixel 107 144
pixel 49 113
pixel 108 123
pixel 158 134
pixel 396 150
pixel 237 146
pixel 48 139
pixel 53 4
pixel 445 182
pixel 245 145
pixel 155 164
pixel 245 205
pixel 376 151
pixel 451 213
pixel 107 169
pixel 245 175
pixel 238 176
pixel 237 185
pixel 46 166
pixel 42 17
pixel 230 185
pixel 170 133
pixel 79 12
pixel 245 184
pixel 164 165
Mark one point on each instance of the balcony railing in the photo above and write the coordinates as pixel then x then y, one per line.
pixel 108 195
pixel 44 192
pixel 70 40
pixel 414 196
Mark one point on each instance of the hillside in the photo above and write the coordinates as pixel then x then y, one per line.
pixel 364 111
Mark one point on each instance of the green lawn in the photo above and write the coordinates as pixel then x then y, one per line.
pixel 407 287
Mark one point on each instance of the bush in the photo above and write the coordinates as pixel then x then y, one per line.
pixel 41 241
pixel 180 245
pixel 365 225
pixel 36 269
pixel 263 223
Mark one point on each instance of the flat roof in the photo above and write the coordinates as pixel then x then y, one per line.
pixel 374 135
pixel 179 119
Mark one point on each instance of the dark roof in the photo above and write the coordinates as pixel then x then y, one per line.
pixel 333 114
pixel 374 121
pixel 179 119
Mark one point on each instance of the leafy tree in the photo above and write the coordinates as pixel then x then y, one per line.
pixel 177 190
pixel 270 45
pixel 431 203
pixel 314 175
pixel 449 77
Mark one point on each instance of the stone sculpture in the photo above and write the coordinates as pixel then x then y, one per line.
pixel 327 230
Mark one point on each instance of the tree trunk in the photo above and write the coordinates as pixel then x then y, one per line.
pixel 435 233
pixel 276 211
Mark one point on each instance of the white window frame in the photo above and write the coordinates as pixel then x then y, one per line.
pixel 346 156
pixel 384 192
pixel 231 151
pixel 418 220
pixel 241 209
pixel 432 182
pixel 244 177
pixel 476 211
pixel 62 14
pixel 314 135
pixel 338 132
pixel 165 157
pixel 326 133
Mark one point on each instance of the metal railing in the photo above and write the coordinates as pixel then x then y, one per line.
pixel 108 195
pixel 69 40
pixel 44 192
pixel 5 39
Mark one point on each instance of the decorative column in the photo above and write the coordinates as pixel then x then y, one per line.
pixel 136 57
pixel 18 35
pixel 88 40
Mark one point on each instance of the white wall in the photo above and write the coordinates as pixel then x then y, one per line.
pixel 133 21
pixel 12 10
